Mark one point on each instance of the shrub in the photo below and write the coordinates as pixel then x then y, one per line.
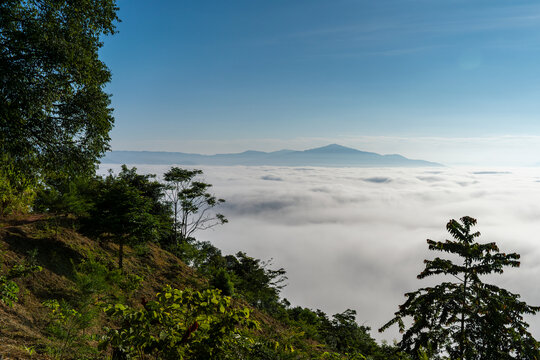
pixel 177 325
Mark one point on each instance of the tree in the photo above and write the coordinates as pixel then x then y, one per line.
pixel 259 285
pixel 54 113
pixel 192 203
pixel 221 280
pixel 466 318
pixel 154 192
pixel 122 214
pixel 344 335
pixel 66 196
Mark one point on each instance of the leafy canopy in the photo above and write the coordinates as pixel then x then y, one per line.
pixel 54 113
pixel 122 213
pixel 259 285
pixel 466 318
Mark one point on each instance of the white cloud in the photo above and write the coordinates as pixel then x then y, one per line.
pixel 355 237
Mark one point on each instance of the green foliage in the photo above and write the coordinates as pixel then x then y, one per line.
pixel 258 284
pixel 191 202
pixel 337 356
pixel 466 318
pixel 127 209
pixel 30 350
pixel 67 195
pixel 54 112
pixel 201 255
pixel 17 190
pixel 342 334
pixel 178 325
pixel 67 326
pixel 95 280
pixel 281 347
pixel 122 214
pixel 69 321
pixel 307 320
pixel 9 290
pixel 154 192
pixel 222 281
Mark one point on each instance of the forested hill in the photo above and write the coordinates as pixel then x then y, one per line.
pixel 330 155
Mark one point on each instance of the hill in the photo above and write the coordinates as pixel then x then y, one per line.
pixel 330 155
pixel 59 249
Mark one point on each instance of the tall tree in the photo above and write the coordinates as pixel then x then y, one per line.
pixel 466 318
pixel 154 191
pixel 192 203
pixel 54 113
pixel 122 214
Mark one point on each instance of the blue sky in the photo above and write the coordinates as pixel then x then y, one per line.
pixel 426 78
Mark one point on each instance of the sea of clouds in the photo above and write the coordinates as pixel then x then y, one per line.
pixel 355 237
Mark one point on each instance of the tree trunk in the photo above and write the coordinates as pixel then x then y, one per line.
pixel 176 221
pixel 463 305
pixel 121 254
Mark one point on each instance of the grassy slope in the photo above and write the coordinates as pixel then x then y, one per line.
pixel 23 325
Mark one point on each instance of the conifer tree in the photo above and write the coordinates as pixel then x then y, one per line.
pixel 466 318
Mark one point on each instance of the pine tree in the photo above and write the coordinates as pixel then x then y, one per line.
pixel 466 318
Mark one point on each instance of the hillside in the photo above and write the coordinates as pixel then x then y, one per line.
pixel 58 253
pixel 28 331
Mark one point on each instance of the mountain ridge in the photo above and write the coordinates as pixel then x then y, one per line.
pixel 331 155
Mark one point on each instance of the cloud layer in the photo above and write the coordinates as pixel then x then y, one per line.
pixel 355 237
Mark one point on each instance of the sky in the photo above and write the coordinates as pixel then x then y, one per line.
pixel 454 81
pixel 356 237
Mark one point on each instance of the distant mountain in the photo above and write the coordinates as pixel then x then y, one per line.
pixel 330 155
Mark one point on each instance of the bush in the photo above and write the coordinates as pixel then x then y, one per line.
pixel 9 290
pixel 93 278
pixel 67 327
pixel 178 324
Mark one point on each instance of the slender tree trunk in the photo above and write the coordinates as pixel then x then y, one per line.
pixel 463 304
pixel 176 221
pixel 121 254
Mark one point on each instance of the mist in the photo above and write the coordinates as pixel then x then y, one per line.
pixel 356 237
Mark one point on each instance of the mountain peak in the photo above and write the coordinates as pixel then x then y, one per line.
pixel 332 149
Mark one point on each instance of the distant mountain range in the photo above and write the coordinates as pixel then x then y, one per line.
pixel 330 155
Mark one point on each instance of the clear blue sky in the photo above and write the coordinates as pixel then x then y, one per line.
pixel 218 76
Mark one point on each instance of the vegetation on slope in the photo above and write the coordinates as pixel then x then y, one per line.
pixel 79 299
